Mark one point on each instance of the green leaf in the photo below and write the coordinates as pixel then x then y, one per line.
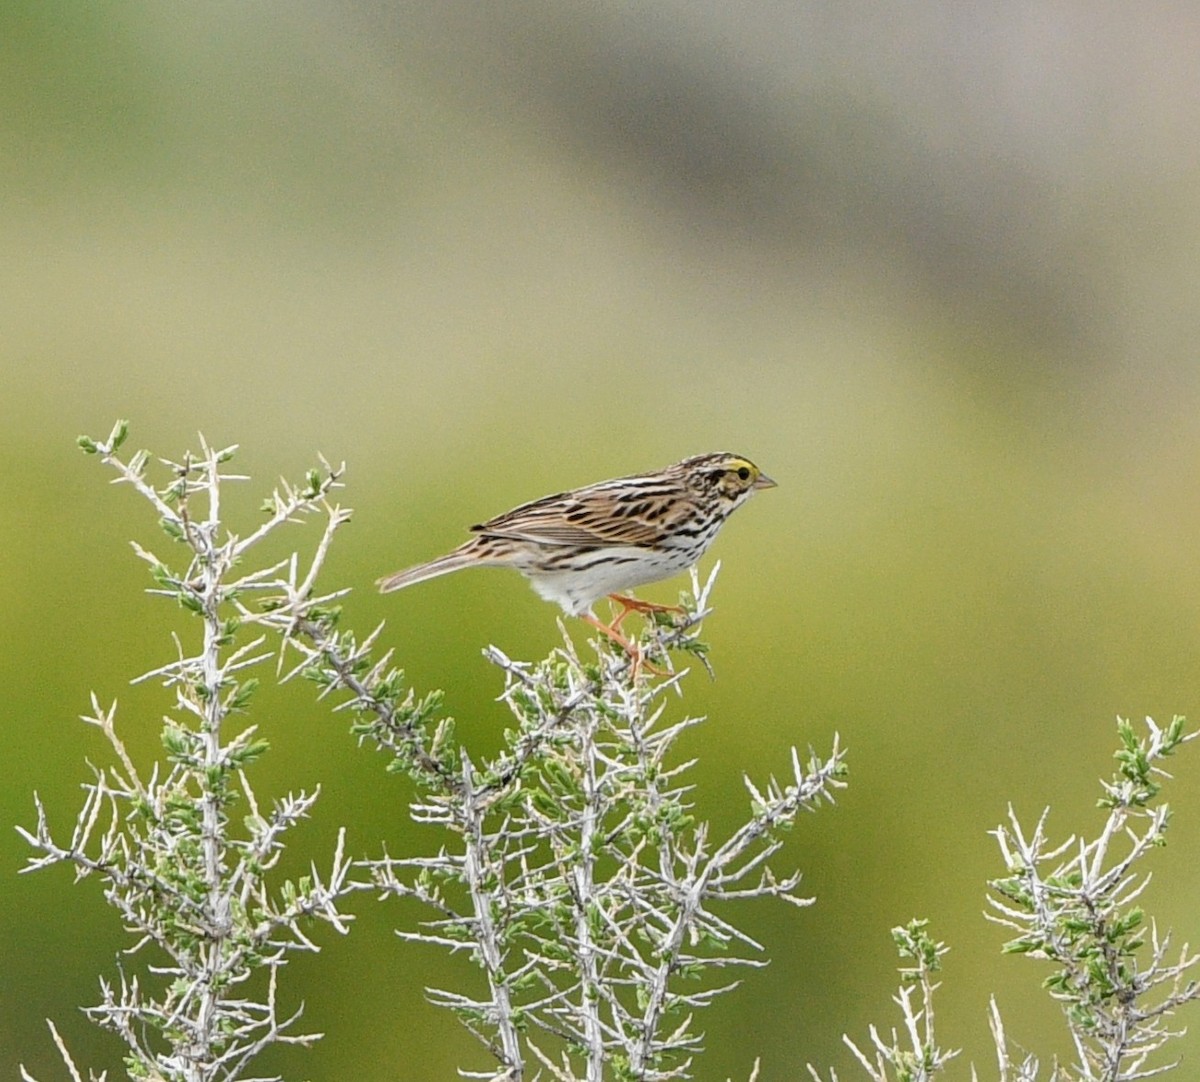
pixel 175 741
pixel 251 753
pixel 241 695
pixel 190 601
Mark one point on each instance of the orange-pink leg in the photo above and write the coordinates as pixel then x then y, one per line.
pixel 633 604
pixel 611 631
pixel 636 656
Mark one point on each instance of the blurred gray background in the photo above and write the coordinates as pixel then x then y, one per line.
pixel 932 266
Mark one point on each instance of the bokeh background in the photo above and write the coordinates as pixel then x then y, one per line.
pixel 932 265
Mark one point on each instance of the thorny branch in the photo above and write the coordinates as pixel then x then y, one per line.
pixel 573 871
pixel 197 895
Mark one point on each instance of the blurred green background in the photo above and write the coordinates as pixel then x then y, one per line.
pixel 932 266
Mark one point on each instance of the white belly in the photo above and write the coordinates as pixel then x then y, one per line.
pixel 605 571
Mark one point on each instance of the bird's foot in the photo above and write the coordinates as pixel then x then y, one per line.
pixel 637 656
pixel 646 608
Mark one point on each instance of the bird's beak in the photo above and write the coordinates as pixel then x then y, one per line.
pixel 763 481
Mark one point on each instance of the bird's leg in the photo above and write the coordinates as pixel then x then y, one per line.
pixel 636 655
pixel 611 631
pixel 634 604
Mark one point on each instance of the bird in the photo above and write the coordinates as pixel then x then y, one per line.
pixel 607 538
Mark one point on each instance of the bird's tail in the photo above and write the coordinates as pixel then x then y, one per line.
pixel 443 565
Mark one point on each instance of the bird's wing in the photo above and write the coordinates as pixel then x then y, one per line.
pixel 592 517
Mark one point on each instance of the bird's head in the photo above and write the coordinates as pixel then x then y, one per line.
pixel 730 477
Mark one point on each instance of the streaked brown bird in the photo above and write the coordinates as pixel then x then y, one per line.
pixel 603 540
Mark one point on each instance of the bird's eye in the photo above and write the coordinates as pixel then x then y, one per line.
pixel 744 473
